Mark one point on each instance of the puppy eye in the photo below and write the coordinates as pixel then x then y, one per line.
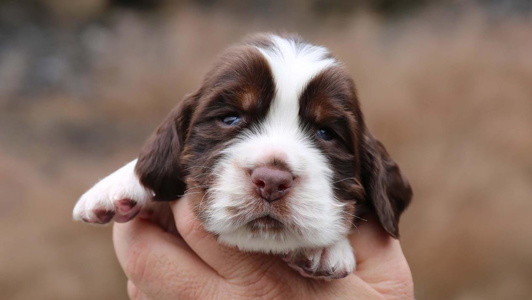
pixel 325 134
pixel 231 120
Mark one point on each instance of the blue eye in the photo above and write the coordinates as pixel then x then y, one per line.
pixel 325 134
pixel 231 120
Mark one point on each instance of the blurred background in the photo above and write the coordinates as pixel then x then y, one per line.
pixel 446 85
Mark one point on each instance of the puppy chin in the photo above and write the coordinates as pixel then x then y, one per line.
pixel 277 241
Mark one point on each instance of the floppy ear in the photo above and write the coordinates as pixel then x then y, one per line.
pixel 158 166
pixel 387 188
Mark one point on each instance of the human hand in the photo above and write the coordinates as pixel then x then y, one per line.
pixel 160 265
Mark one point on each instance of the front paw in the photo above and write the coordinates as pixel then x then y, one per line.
pixel 333 262
pixel 119 197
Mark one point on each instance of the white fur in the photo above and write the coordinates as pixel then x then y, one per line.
pixel 339 258
pixel 314 211
pixel 335 261
pixel 122 184
pixel 293 66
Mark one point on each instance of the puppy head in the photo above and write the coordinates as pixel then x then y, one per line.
pixel 274 151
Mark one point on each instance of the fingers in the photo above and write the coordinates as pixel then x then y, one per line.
pixel 159 264
pixel 370 240
pixel 229 262
pixel 134 293
pixel 380 260
pixel 162 266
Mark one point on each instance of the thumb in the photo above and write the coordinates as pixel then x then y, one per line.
pixel 380 260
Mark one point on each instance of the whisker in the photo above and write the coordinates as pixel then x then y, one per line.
pixel 348 178
pixel 200 204
pixel 194 193
pixel 352 215
pixel 356 227
pixel 357 217
pixel 203 167
pixel 195 187
pixel 201 174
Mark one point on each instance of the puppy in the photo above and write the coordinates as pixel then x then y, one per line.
pixel 275 155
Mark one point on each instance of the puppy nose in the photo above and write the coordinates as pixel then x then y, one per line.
pixel 271 183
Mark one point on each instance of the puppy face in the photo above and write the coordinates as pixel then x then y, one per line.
pixel 274 151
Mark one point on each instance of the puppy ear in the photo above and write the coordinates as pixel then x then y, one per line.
pixel 158 166
pixel 387 188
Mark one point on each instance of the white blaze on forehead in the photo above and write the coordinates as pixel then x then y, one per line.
pixel 293 65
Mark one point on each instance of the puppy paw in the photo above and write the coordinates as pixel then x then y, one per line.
pixel 333 262
pixel 119 197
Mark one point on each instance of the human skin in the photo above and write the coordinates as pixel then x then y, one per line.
pixel 160 265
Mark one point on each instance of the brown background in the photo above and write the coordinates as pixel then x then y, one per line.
pixel 448 89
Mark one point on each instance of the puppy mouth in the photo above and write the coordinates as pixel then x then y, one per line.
pixel 265 223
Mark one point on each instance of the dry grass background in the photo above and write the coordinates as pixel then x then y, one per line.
pixel 451 100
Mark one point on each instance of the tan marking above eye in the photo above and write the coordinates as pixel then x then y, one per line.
pixel 248 97
pixel 323 112
pixel 318 112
